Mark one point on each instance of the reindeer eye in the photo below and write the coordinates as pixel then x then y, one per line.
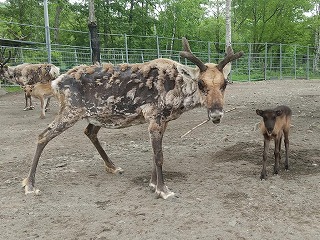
pixel 223 87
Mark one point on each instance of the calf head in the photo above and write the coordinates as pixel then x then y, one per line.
pixel 269 118
pixel 212 80
pixel 28 90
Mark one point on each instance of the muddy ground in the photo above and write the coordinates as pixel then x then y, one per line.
pixel 214 172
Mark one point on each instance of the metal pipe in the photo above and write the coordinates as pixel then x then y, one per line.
pixel 47 29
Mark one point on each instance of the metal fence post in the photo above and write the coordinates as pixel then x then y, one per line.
pixel 126 47
pixel 295 62
pixel 158 47
pixel 76 56
pixel 47 29
pixel 280 56
pixel 209 51
pixel 308 66
pixel 265 61
pixel 249 62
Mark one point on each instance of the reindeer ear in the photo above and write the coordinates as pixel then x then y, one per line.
pixel 226 70
pixel 279 112
pixel 202 86
pixel 259 112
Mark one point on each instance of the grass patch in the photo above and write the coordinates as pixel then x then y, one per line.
pixel 12 89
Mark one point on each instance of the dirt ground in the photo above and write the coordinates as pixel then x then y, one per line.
pixel 214 172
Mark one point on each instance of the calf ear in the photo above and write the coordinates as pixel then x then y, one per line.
pixel 202 86
pixel 259 112
pixel 279 112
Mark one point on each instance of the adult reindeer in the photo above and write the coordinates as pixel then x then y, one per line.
pixel 119 96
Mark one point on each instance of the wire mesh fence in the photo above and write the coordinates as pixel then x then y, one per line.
pixel 261 61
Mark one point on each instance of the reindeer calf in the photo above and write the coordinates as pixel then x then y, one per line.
pixel 41 91
pixel 276 123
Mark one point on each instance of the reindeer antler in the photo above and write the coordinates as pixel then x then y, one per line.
pixel 2 61
pixel 229 58
pixel 186 53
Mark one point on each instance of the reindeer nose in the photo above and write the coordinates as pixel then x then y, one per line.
pixel 269 130
pixel 216 115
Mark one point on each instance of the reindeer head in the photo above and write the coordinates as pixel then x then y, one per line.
pixel 4 69
pixel 212 80
pixel 28 89
pixel 269 118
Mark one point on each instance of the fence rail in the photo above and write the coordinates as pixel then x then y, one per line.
pixel 261 61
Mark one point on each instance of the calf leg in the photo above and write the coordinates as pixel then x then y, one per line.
pixel 277 148
pixel 156 132
pixel 92 131
pixel 43 110
pixel 61 123
pixel 264 159
pixel 47 104
pixel 28 106
pixel 286 145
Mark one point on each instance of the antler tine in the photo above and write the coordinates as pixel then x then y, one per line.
pixel 2 53
pixel 7 58
pixel 185 45
pixel 186 53
pixel 229 58
pixel 2 61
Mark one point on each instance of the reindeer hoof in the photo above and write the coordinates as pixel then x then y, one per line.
pixel 165 194
pixel 116 170
pixel 262 177
pixel 26 109
pixel 152 186
pixel 31 107
pixel 29 188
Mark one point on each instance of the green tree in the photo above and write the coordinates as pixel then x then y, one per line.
pixel 272 21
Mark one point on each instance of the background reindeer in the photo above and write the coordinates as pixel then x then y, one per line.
pixel 118 96
pixel 41 91
pixel 28 74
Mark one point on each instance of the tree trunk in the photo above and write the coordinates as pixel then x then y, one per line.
pixel 59 9
pixel 228 23
pixel 130 20
pixel 228 33
pixel 94 37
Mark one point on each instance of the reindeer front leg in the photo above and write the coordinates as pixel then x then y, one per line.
pixel 26 106
pixel 264 160
pixel 156 131
pixel 277 148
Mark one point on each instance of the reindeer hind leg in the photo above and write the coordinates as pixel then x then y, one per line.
pixel 286 145
pixel 92 133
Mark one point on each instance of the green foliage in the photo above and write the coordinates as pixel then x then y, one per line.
pixel 11 89
pixel 254 21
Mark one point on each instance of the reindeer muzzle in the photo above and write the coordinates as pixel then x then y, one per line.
pixel 215 115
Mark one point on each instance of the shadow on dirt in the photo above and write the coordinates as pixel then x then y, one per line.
pixel 168 176
pixel 301 161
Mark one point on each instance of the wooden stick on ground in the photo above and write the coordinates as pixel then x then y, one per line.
pixel 202 124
